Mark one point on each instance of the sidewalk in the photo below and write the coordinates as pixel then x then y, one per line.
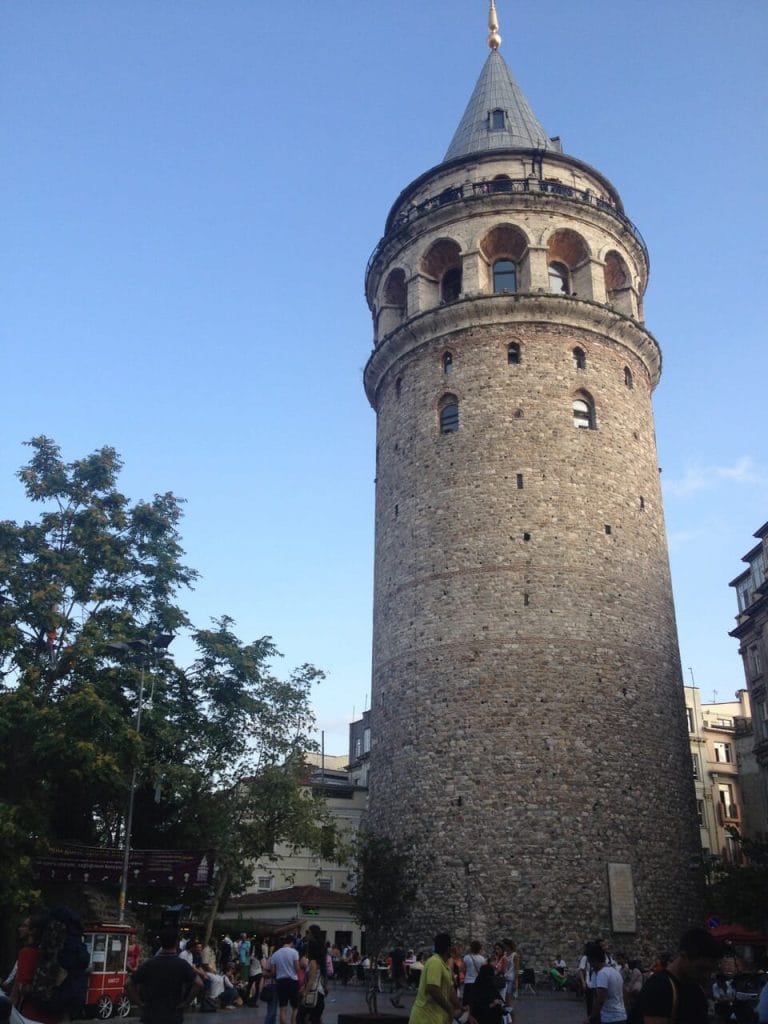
pixel 544 1008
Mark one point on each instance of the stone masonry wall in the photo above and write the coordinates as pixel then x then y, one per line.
pixel 527 711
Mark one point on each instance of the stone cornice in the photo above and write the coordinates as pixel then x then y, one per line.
pixel 483 310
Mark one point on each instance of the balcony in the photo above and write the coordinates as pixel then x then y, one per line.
pixel 510 186
pixel 727 813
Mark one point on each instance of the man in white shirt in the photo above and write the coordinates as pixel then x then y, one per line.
pixel 608 1005
pixel 284 963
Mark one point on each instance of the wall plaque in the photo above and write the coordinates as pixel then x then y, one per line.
pixel 622 894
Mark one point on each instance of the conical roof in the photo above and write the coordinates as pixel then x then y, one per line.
pixel 480 131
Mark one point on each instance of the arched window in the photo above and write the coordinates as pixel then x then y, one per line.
pixel 504 276
pixel 628 377
pixel 447 362
pixel 583 413
pixel 450 285
pixel 501 183
pixel 513 353
pixel 558 278
pixel 449 414
pixel 579 358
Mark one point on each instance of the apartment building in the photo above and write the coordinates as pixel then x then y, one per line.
pixel 720 740
pixel 751 631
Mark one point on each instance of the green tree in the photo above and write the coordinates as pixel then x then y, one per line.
pixel 93 570
pixel 385 885
pixel 92 567
pixel 736 892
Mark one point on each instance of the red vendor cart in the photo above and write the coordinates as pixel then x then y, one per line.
pixel 108 947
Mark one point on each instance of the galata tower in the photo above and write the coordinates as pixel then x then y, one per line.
pixel 527 716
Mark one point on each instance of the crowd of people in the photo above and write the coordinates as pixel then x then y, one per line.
pixel 677 989
pixel 452 986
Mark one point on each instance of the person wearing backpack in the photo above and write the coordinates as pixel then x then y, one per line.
pixel 678 994
pixel 51 975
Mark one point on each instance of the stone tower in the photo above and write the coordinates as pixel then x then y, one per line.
pixel 528 724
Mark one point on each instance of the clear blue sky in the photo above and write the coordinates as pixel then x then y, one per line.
pixel 190 192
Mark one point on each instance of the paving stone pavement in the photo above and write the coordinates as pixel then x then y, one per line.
pixel 543 1008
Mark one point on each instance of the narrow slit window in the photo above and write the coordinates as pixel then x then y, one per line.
pixel 449 414
pixel 447 362
pixel 519 481
pixel 579 358
pixel 513 353
pixel 628 381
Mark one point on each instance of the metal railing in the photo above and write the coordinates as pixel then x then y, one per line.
pixel 500 186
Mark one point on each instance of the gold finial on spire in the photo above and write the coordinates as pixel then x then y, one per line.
pixel 494 39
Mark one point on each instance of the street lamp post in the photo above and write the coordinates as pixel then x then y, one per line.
pixel 139 650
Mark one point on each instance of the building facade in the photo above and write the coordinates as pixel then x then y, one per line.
pixel 752 633
pixel 296 887
pixel 720 736
pixel 527 722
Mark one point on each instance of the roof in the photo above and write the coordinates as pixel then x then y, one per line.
pixel 333 762
pixel 496 89
pixel 307 895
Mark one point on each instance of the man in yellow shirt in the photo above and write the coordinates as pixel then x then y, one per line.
pixel 436 1002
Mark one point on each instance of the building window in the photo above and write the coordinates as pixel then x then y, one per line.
pixel 513 353
pixel 558 279
pixel 366 740
pixel 447 362
pixel 695 764
pixel 723 753
pixel 504 276
pixel 757 567
pixel 497 120
pixel 628 377
pixel 700 811
pixel 325 883
pixel 519 481
pixel 583 414
pixel 744 594
pixel 579 358
pixel 264 883
pixel 450 285
pixel 449 414
pixel 755 661
pixel 689 716
pixel 358 746
pixel 398 387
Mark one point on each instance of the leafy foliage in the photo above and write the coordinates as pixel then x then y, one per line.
pixel 385 885
pixel 737 892
pixel 220 753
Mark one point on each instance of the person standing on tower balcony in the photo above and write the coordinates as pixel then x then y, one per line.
pixel 436 1002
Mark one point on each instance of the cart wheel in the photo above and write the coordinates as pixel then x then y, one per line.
pixel 104 1008
pixel 123 1006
